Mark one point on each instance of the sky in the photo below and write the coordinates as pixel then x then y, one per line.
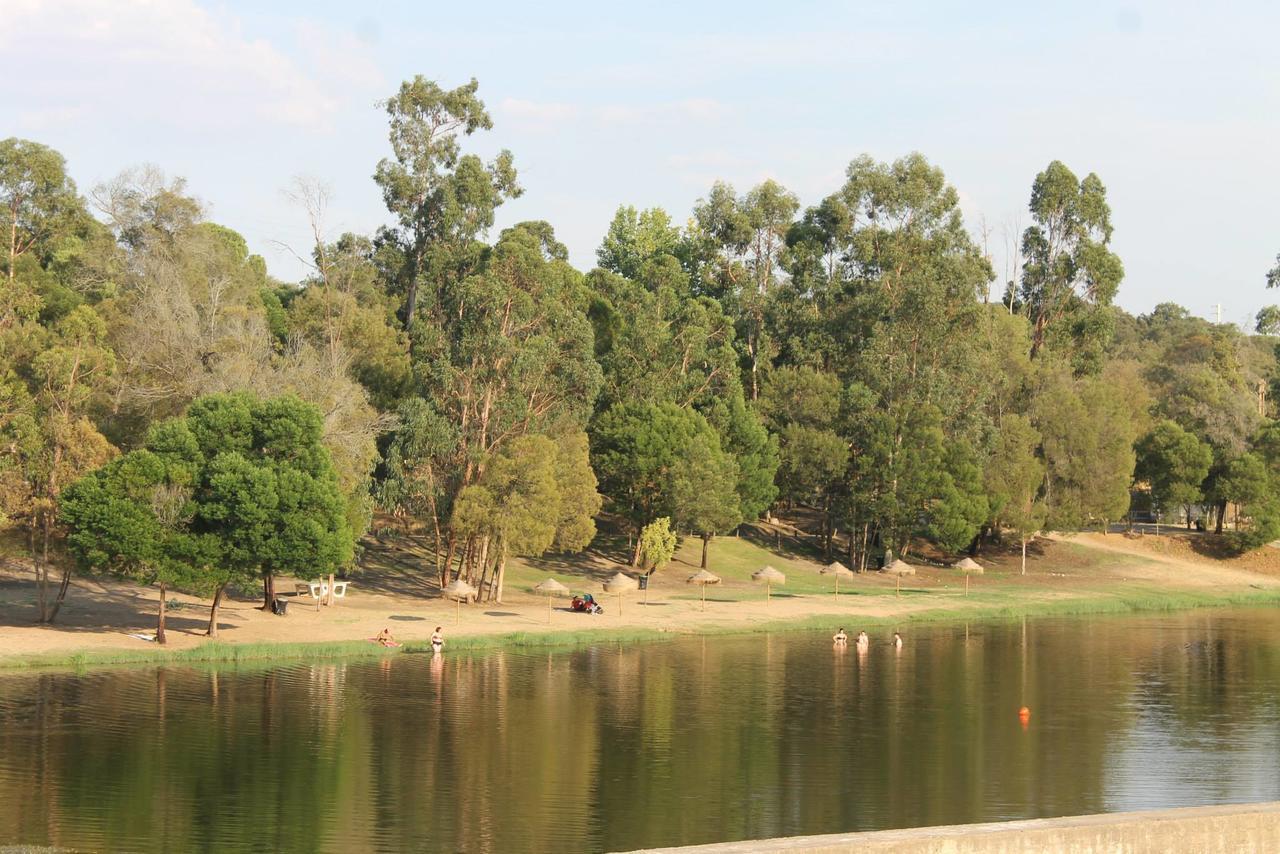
pixel 1176 107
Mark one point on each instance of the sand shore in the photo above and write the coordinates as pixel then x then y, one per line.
pixel 101 615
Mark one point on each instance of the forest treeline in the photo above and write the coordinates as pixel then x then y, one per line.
pixel 842 355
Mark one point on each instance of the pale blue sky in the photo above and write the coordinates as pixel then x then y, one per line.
pixel 1175 105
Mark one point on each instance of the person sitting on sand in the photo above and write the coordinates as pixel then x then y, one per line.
pixel 385 639
pixel 840 637
pixel 437 640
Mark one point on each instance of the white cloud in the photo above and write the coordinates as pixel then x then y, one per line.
pixel 162 61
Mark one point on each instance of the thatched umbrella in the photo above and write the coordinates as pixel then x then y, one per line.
pixel 968 566
pixel 457 591
pixel 837 569
pixel 550 588
pixel 770 577
pixel 898 569
pixel 703 578
pixel 619 584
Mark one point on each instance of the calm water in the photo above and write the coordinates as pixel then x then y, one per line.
pixel 616 748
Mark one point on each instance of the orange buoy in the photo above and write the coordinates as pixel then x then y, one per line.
pixel 1024 714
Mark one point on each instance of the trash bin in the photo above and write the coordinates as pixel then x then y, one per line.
pixel 279 606
pixel 644 581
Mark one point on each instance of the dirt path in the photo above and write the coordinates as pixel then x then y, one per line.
pixel 1165 568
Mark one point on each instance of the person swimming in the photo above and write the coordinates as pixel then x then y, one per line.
pixel 437 640
pixel 840 637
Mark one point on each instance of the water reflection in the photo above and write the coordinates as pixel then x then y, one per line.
pixel 612 747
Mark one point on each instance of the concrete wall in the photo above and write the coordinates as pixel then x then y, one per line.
pixel 1204 830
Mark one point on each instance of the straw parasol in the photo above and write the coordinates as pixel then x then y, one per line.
pixel 837 569
pixel 457 591
pixel 550 587
pixel 900 567
pixel 770 577
pixel 619 584
pixel 968 565
pixel 703 578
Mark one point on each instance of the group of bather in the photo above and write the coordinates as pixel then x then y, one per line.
pixel 842 639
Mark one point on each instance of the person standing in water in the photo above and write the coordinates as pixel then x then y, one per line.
pixel 863 640
pixel 437 640
pixel 840 638
pixel 897 640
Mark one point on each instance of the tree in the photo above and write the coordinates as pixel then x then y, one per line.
pixel 43 452
pixel 418 468
pixel 744 438
pixel 812 463
pixel 635 238
pixel 1088 427
pixel 744 243
pixel 266 488
pixel 636 449
pixel 1014 477
pixel 1067 268
pixel 37 202
pixel 657 545
pixel 507 352
pixel 47 440
pixel 579 503
pixel 442 198
pixel 704 490
pixel 1174 464
pixel 1267 321
pixel 535 493
pixel 132 518
pixel 655 344
pixel 909 362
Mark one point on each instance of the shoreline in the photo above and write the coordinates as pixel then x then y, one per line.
pixel 1094 603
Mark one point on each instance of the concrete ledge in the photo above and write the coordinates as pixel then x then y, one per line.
pixel 1226 829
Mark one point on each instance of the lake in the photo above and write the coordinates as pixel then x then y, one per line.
pixel 613 747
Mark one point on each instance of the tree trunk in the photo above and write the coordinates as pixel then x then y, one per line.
pixel 268 591
pixel 706 541
pixel 451 543
pixel 329 596
pixel 160 617
pixel 502 575
pixel 212 631
pixel 1222 512
pixel 411 292
pixel 62 595
pixel 1024 555
pixel 635 552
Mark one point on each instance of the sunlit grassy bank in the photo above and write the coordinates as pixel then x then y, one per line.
pixel 990 606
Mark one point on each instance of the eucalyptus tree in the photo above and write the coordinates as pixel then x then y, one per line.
pixel 908 359
pixel 741 257
pixel 1068 270
pixel 442 199
pixel 38 205
pixel 534 494
pixel 509 353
